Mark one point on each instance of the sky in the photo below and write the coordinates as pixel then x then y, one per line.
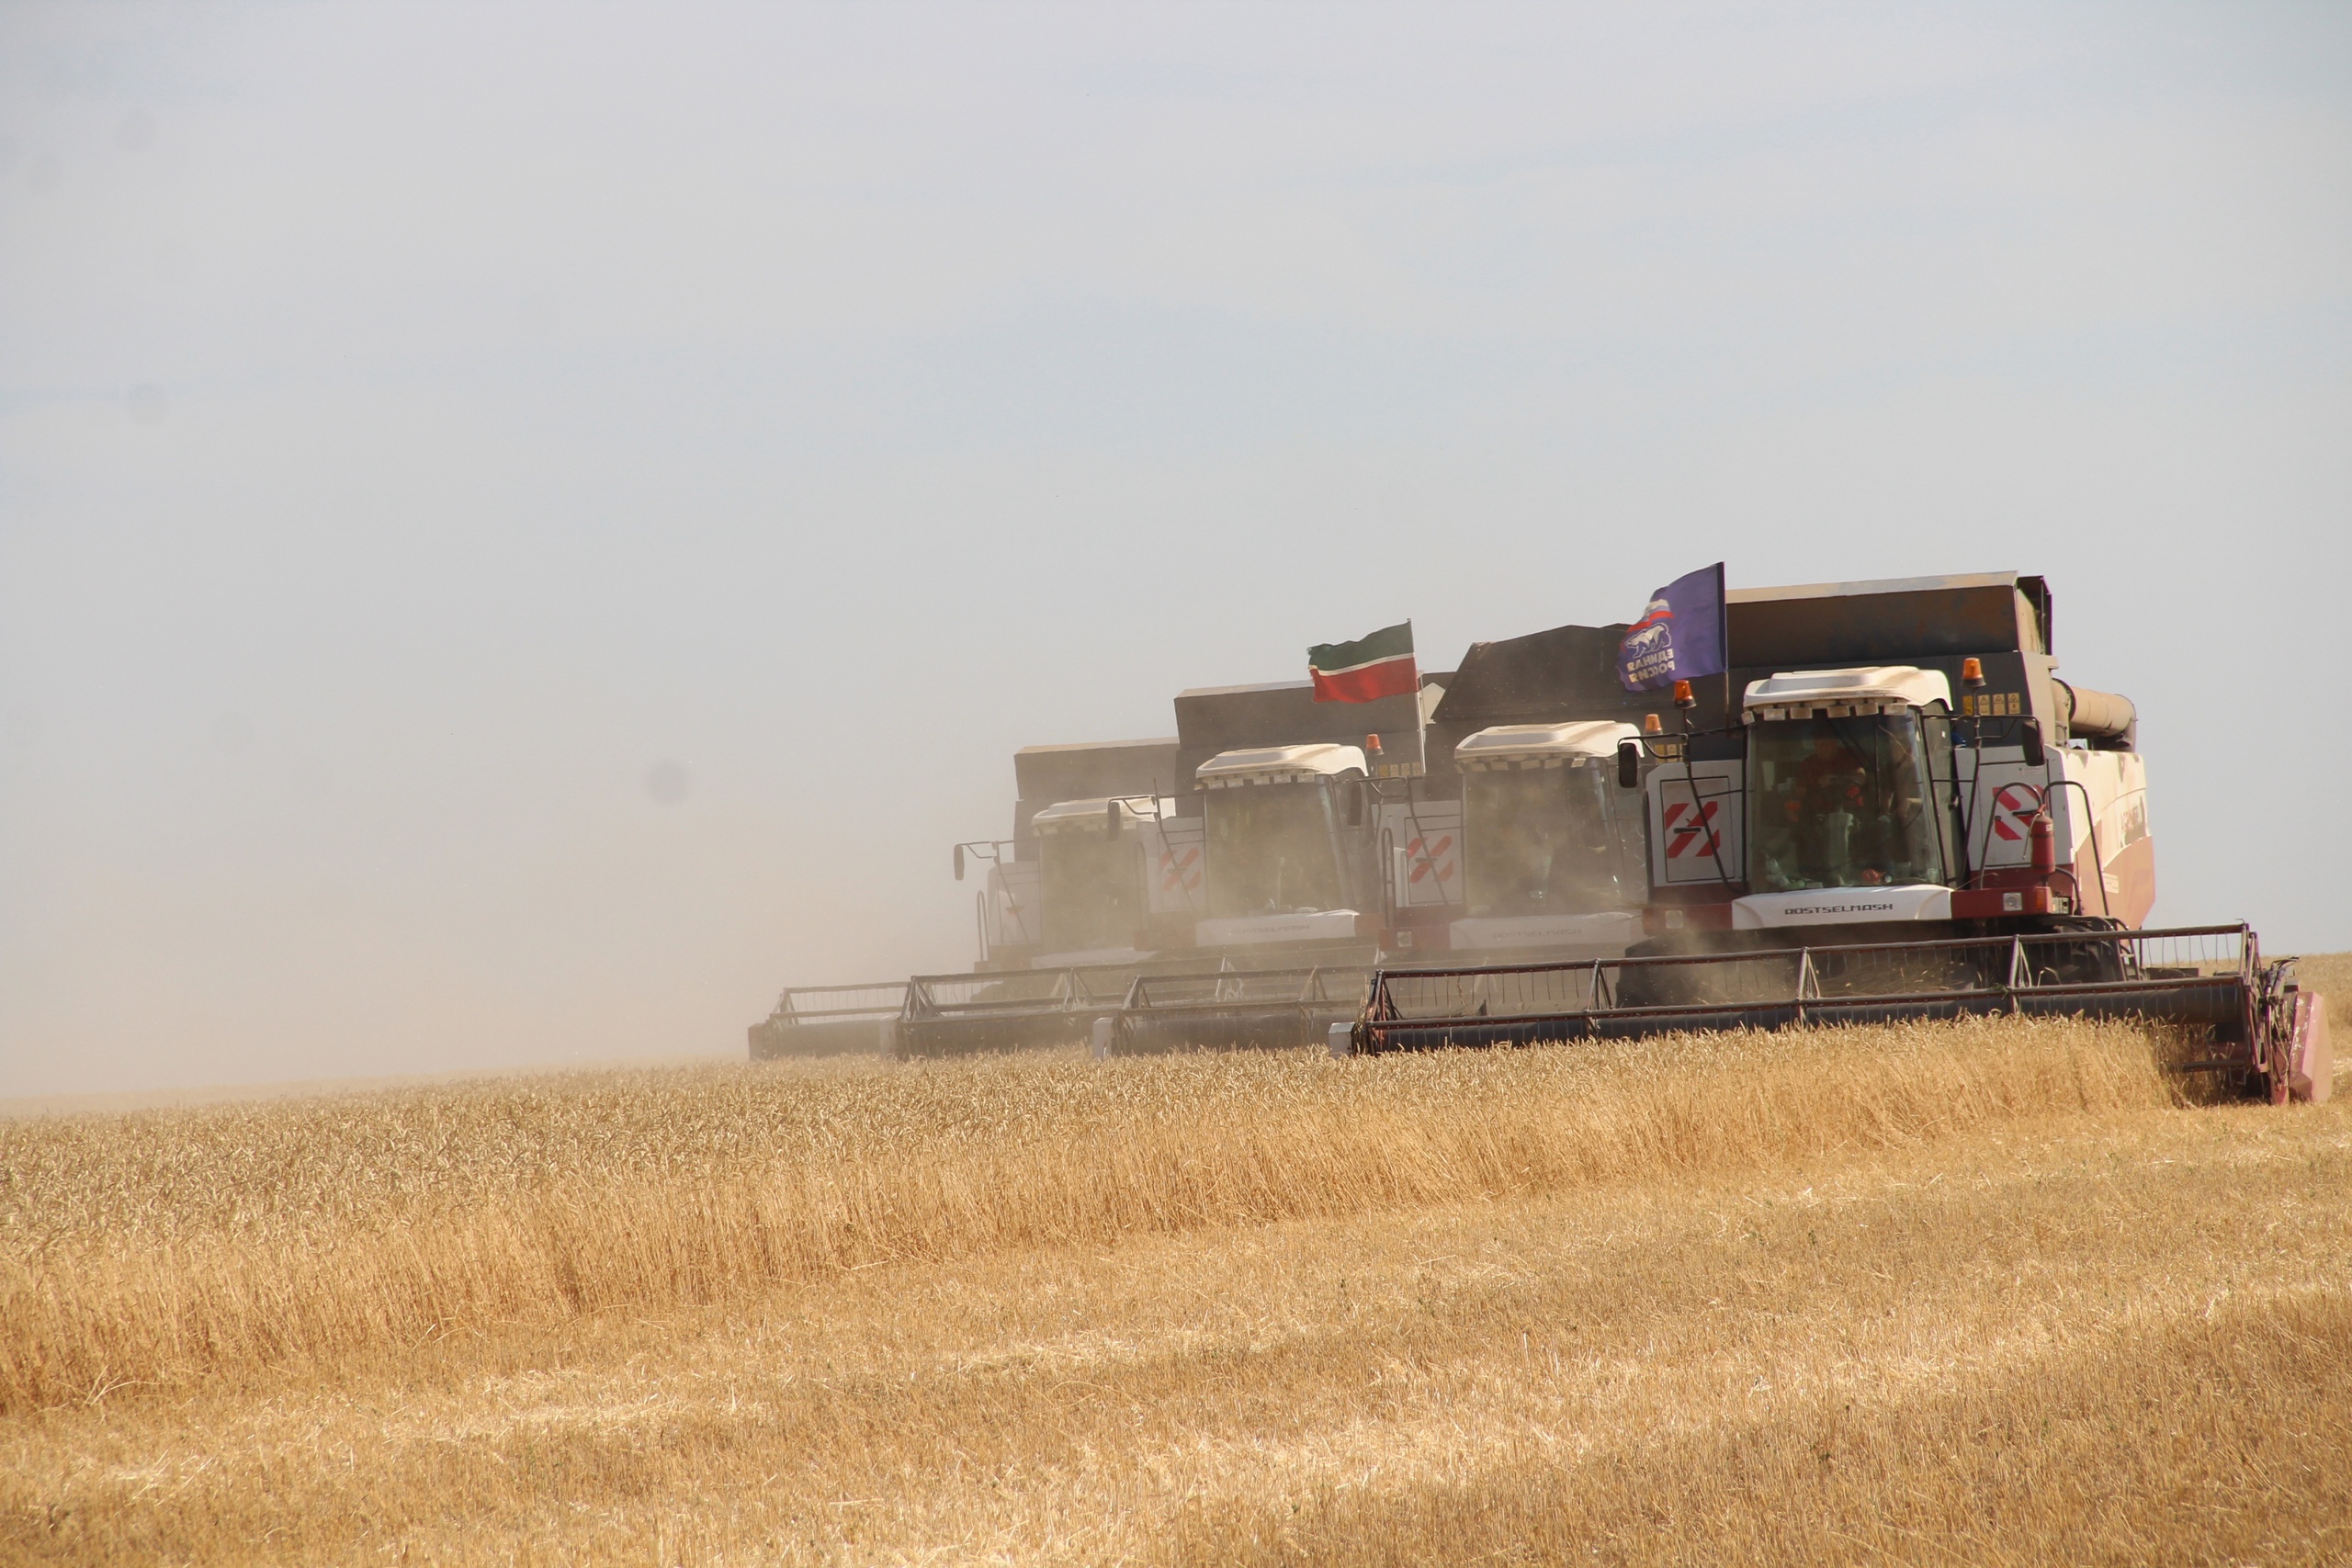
pixel 526 529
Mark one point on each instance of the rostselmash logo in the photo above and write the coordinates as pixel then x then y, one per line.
pixel 1838 909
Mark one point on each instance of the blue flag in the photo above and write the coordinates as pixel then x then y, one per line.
pixel 1680 636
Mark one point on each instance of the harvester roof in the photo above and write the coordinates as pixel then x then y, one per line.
pixel 1075 816
pixel 1541 745
pixel 1278 765
pixel 1841 693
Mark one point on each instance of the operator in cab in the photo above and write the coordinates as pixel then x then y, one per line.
pixel 1844 814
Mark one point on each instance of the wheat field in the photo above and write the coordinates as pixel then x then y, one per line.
pixel 1978 1293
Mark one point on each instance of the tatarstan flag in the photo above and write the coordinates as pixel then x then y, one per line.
pixel 1364 671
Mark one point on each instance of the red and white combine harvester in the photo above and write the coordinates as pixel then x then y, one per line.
pixel 1889 807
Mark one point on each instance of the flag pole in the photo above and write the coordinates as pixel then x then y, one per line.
pixel 1690 773
pixel 1722 646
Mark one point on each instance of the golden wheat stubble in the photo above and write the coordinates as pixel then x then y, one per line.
pixel 1042 1310
pixel 1556 1364
pixel 185 1245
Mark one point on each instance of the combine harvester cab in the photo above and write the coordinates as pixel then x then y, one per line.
pixel 1322 846
pixel 1113 876
pixel 1108 876
pixel 1533 730
pixel 1555 862
pixel 1023 921
pixel 1289 833
pixel 1857 846
pixel 1305 806
pixel 1289 845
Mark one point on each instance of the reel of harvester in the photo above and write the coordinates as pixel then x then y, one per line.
pixel 960 1015
pixel 830 1021
pixel 1236 1009
pixel 1124 1010
pixel 2265 1036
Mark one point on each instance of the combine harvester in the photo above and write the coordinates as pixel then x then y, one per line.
pixel 1553 841
pixel 1064 892
pixel 1304 808
pixel 1116 885
pixel 1905 815
pixel 1323 849
pixel 1062 903
pixel 1098 875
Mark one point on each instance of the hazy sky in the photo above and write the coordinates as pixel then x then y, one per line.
pixel 524 529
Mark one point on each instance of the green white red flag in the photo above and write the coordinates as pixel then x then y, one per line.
pixel 1366 670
